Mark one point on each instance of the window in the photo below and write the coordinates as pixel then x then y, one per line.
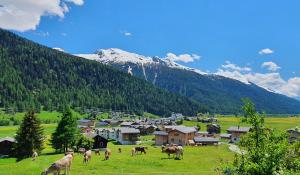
pixel 176 134
pixel 172 140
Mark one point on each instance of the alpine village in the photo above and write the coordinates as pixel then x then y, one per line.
pixel 116 112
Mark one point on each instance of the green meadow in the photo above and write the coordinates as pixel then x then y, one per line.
pixel 197 160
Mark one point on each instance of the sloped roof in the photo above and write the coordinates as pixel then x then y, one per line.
pixel 10 139
pixel 129 131
pixel 162 133
pixel 206 139
pixel 84 120
pixel 238 129
pixel 186 129
pixel 126 123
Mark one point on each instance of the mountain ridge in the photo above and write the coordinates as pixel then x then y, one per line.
pixel 221 94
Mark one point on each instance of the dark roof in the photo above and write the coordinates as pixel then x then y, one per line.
pixel 206 139
pixel 162 133
pixel 225 135
pixel 93 135
pixel 10 139
pixel 238 129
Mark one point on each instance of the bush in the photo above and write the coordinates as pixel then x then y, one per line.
pixel 85 142
pixel 4 122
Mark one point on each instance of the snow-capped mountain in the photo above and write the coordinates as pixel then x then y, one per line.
pixel 118 56
pixel 220 94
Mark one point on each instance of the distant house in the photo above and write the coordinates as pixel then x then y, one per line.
pixel 86 125
pixel 294 135
pixel 127 136
pixel 161 137
pixel 225 136
pixel 99 141
pixel 206 140
pixel 213 128
pixel 237 131
pixel 202 134
pixel 6 146
pixel 126 124
pixel 176 116
pixel 146 129
pixel 175 135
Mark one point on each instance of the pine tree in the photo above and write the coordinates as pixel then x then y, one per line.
pixel 30 136
pixel 66 133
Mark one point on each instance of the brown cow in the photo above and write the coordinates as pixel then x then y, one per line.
pixel 97 151
pixel 141 149
pixel 175 150
pixel 107 154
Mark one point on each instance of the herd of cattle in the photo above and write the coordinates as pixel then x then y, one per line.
pixel 64 164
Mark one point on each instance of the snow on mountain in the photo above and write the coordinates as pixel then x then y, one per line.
pixel 114 55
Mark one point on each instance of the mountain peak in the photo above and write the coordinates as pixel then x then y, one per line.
pixel 119 56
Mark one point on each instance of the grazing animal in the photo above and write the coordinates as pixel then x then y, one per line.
pixel 175 150
pixel 133 151
pixel 179 152
pixel 87 156
pixel 61 164
pixel 141 149
pixel 107 154
pixel 34 155
pixel 81 150
pixel 97 152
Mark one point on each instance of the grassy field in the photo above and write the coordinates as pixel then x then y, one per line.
pixel 272 122
pixel 197 160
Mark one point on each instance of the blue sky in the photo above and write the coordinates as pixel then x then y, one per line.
pixel 230 32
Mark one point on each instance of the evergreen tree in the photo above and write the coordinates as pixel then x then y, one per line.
pixel 30 136
pixel 66 133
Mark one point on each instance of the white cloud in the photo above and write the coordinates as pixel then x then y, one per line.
pixel 234 67
pixel 23 15
pixel 127 33
pixel 183 57
pixel 270 81
pixel 59 49
pixel 266 51
pixel 271 66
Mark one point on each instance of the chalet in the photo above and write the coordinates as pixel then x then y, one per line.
pixel 202 134
pixel 213 129
pixel 99 141
pixel 236 132
pixel 175 135
pixel 6 146
pixel 86 125
pixel 225 136
pixel 127 136
pixel 161 137
pixel 126 124
pixel 206 140
pixel 146 129
pixel 294 135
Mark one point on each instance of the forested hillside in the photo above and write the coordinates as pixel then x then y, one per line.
pixel 220 94
pixel 32 75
